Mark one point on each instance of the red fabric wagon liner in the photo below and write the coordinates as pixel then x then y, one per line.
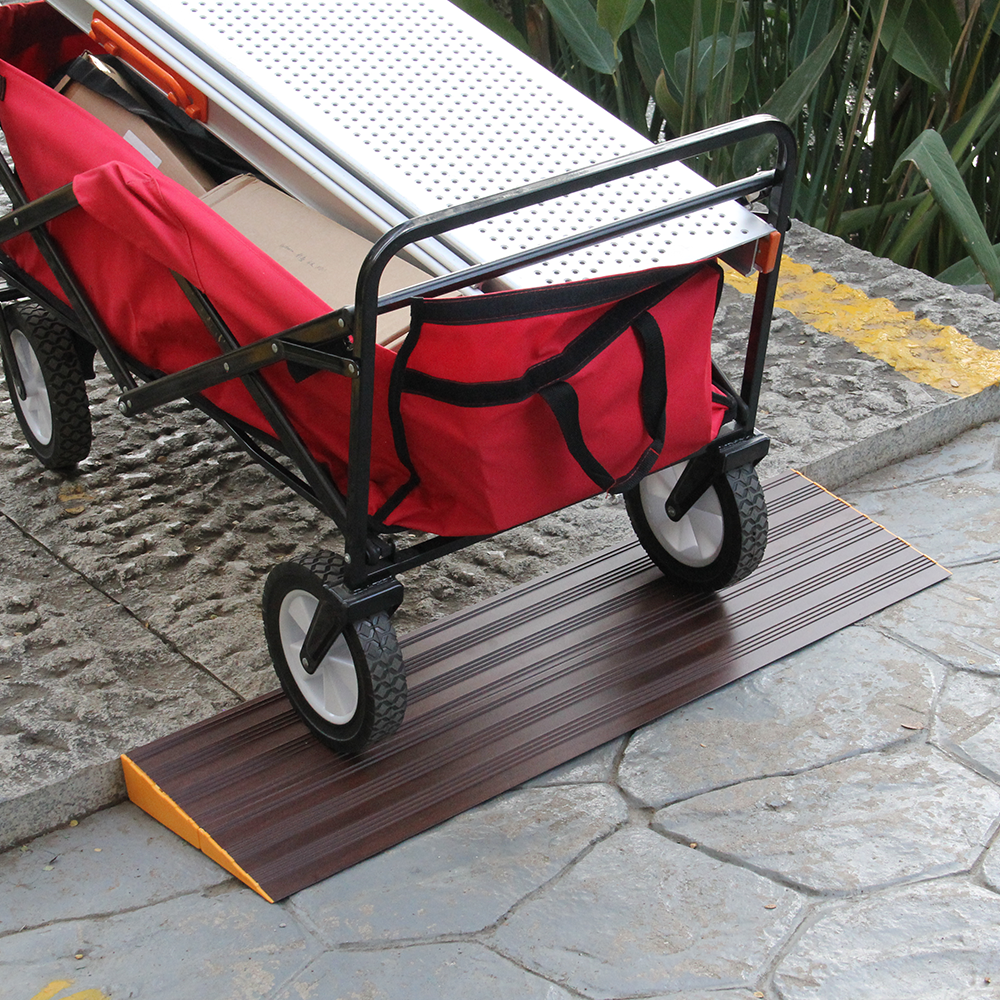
pixel 438 464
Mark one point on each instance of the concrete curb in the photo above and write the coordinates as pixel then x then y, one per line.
pixel 915 436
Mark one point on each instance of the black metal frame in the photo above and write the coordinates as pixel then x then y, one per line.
pixel 344 340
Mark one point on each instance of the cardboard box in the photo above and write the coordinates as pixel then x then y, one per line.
pixel 322 254
pixel 159 147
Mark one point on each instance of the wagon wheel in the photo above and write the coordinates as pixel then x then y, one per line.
pixel 720 541
pixel 52 407
pixel 357 694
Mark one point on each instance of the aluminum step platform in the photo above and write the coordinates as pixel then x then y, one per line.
pixel 512 687
pixel 377 112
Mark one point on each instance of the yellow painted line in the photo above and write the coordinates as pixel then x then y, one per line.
pixel 924 352
pixel 52 989
pixel 59 985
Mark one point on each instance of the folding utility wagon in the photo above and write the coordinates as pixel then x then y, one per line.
pixel 575 360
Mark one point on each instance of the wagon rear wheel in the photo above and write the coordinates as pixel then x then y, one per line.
pixel 720 541
pixel 357 694
pixel 51 404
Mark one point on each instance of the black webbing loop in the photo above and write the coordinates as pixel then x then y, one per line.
pixel 565 406
pixel 564 403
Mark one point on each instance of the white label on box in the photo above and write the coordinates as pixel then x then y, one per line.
pixel 133 140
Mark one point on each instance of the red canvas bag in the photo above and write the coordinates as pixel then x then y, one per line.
pixel 514 404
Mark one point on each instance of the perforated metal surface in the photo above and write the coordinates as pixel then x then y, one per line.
pixel 419 102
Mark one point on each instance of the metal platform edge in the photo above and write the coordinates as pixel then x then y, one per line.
pixel 507 689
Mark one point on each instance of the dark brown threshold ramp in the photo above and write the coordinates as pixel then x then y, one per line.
pixel 512 687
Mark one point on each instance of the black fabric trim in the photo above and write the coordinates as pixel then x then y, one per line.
pixel 577 354
pixel 564 403
pixel 530 302
pixel 653 388
pixel 395 395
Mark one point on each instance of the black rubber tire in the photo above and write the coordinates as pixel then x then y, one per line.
pixel 55 416
pixel 744 533
pixel 370 645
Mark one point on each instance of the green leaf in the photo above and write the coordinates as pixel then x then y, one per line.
pixel 672 112
pixel 675 29
pixel 617 16
pixel 924 42
pixel 931 157
pixel 857 219
pixel 493 20
pixel 593 46
pixel 646 50
pixel 788 100
pixel 965 272
pixel 813 24
pixel 714 55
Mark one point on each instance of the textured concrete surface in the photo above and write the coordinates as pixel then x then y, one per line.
pixel 824 828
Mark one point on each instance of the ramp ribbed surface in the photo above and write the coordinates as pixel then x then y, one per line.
pixel 512 687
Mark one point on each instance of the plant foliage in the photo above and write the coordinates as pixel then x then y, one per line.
pixel 896 103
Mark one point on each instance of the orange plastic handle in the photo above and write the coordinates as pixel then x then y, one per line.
pixel 766 257
pixel 115 42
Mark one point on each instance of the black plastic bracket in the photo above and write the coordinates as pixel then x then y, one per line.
pixel 342 607
pixel 717 459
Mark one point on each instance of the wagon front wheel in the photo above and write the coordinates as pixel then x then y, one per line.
pixel 720 541
pixel 357 694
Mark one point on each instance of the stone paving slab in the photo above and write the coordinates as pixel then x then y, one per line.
pixel 423 972
pixel 640 915
pixel 954 625
pixel 967 724
pixel 464 875
pixel 837 828
pixel 936 941
pixel 115 860
pixel 729 738
pixel 169 949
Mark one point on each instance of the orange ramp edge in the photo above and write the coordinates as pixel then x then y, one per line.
pixel 149 797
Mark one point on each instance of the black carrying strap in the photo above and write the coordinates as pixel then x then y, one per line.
pixel 156 108
pixel 629 312
pixel 562 399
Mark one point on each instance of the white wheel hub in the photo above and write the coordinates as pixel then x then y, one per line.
pixel 332 691
pixel 696 539
pixel 35 407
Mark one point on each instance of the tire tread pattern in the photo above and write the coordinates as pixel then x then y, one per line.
pixel 752 515
pixel 382 655
pixel 54 346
